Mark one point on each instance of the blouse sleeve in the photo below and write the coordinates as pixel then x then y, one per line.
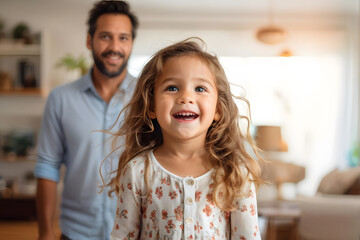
pixel 244 220
pixel 128 210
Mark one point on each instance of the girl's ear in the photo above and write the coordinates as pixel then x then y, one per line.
pixel 217 116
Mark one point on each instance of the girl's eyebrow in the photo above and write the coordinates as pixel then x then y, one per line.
pixel 204 80
pixel 163 81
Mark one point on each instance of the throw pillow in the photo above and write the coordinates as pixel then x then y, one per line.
pixel 355 188
pixel 338 182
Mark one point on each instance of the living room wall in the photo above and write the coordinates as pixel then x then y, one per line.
pixel 320 37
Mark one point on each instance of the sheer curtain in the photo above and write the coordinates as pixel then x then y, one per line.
pixel 303 96
pixel 348 124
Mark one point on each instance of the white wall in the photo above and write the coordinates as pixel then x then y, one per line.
pixel 64 23
pixel 312 36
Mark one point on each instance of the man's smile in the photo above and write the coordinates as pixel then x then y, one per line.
pixel 113 57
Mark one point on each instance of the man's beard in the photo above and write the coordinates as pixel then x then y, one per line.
pixel 102 68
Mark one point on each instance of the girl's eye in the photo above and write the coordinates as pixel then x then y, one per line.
pixel 200 89
pixel 172 89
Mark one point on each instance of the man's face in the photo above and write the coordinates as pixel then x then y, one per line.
pixel 111 44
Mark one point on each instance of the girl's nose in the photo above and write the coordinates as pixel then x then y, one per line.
pixel 185 98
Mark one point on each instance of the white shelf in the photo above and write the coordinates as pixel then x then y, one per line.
pixel 12 54
pixel 15 49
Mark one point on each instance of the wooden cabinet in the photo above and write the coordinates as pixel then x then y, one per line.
pixel 20 207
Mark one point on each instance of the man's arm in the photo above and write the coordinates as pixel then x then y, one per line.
pixel 45 205
pixel 50 151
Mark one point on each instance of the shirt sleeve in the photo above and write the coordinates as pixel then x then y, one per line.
pixel 128 211
pixel 50 142
pixel 244 220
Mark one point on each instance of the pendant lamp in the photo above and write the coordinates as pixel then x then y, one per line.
pixel 270 34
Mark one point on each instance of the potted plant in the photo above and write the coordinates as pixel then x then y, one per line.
pixel 71 63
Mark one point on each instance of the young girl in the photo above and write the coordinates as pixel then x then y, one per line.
pixel 185 172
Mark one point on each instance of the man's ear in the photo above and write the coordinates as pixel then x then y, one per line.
pixel 88 42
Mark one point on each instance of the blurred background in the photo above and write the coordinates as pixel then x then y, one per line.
pixel 297 62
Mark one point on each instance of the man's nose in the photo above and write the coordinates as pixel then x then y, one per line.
pixel 115 45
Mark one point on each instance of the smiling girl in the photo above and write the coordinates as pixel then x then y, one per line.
pixel 185 172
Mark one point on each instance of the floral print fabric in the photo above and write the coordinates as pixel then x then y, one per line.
pixel 177 208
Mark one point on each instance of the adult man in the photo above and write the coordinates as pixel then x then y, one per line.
pixel 72 112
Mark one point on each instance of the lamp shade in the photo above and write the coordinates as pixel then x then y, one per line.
pixel 268 138
pixel 270 35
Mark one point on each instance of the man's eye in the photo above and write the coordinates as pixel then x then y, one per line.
pixel 124 38
pixel 200 89
pixel 172 89
pixel 105 37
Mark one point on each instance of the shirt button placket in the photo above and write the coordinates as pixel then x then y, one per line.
pixel 189 207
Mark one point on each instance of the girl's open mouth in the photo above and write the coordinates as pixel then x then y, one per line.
pixel 186 116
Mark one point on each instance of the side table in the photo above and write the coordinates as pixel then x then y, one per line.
pixel 282 220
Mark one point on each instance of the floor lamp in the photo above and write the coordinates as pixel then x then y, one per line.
pixel 268 139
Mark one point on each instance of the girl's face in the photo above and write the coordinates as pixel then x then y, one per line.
pixel 185 99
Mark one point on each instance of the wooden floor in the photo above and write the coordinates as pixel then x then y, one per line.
pixel 22 230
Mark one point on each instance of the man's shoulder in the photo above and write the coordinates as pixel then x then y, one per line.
pixel 71 86
pixel 132 79
pixel 68 89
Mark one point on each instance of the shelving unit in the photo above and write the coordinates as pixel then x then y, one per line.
pixel 17 159
pixel 22 91
pixel 23 63
pixel 20 109
pixel 19 49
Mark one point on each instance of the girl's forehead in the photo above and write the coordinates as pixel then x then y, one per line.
pixel 185 57
pixel 183 62
pixel 185 66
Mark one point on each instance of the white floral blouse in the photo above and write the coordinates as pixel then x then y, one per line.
pixel 178 207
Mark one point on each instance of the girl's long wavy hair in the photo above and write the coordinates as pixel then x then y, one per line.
pixel 225 141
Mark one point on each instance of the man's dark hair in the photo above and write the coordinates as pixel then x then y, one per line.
pixel 111 7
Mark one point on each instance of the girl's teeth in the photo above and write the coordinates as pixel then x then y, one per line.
pixel 186 115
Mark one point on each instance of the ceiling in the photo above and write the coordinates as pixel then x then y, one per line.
pixel 323 7
pixel 242 13
pixel 239 7
pixel 232 12
pixel 248 6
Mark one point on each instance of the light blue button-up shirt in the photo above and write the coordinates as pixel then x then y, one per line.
pixel 73 111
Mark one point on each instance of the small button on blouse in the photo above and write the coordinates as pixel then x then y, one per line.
pixel 190 182
pixel 189 220
pixel 189 201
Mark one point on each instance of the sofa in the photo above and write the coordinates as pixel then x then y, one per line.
pixel 334 212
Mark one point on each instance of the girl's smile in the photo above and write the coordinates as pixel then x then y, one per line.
pixel 185 116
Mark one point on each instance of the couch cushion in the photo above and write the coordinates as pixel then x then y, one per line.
pixel 355 188
pixel 338 182
pixel 330 217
